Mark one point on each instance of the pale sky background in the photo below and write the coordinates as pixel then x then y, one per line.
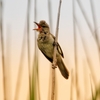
pixel 14 14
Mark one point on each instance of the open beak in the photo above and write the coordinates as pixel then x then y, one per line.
pixel 39 27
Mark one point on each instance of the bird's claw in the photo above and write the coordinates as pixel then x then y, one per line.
pixel 55 44
pixel 54 66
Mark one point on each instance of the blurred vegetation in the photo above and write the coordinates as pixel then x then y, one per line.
pixel 33 69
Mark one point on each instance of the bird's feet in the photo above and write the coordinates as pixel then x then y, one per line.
pixel 55 43
pixel 54 64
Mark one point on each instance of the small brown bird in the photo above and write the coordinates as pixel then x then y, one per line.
pixel 46 44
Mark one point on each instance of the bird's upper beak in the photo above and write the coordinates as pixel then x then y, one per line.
pixel 39 27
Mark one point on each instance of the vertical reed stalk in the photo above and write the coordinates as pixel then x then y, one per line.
pixel 8 62
pixel 91 89
pixel 54 55
pixel 17 89
pixel 28 46
pixel 35 72
pixel 85 78
pixel 50 14
pixel 50 23
pixel 94 18
pixel 75 53
pixel 71 86
pixel 2 49
pixel 95 25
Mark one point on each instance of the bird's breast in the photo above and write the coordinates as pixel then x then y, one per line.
pixel 46 47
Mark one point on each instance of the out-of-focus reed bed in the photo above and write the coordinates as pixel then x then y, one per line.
pixel 76 24
pixel 33 92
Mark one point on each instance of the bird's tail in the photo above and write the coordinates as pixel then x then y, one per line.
pixel 64 71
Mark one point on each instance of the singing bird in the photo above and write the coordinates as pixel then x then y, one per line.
pixel 45 42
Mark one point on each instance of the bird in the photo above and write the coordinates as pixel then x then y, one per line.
pixel 46 42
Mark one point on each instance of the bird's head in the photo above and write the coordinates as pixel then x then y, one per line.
pixel 42 27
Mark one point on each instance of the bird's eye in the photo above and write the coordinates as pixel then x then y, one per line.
pixel 45 33
pixel 43 26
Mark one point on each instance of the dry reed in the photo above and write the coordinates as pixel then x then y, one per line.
pixel 54 55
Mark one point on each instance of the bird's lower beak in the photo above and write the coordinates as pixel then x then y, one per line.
pixel 39 27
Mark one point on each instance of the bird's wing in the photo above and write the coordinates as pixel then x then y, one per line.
pixel 50 59
pixel 59 48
